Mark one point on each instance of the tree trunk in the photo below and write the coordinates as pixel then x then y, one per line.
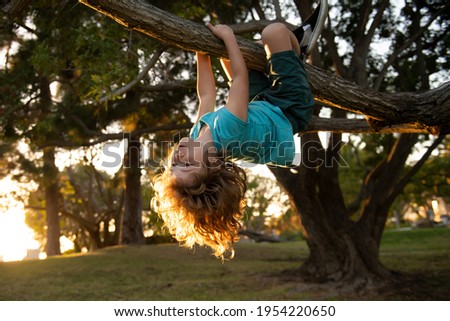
pixel 132 229
pixel 379 188
pixel 50 181
pixel 339 250
pixel 118 220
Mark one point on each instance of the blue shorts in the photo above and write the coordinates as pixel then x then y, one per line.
pixel 285 85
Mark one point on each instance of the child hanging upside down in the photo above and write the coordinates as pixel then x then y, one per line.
pixel 200 196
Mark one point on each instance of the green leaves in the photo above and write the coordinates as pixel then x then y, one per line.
pixel 45 60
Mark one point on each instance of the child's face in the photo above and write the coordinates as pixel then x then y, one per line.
pixel 187 160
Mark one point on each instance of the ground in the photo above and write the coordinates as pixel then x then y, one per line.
pixel 260 271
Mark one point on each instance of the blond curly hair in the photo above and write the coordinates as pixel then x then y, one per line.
pixel 207 213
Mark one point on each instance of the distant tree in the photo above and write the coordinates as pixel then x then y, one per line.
pixel 32 113
pixel 432 181
pixel 91 208
pixel 58 92
pixel 93 204
pixel 262 193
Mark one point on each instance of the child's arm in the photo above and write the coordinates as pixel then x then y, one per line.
pixel 206 86
pixel 237 102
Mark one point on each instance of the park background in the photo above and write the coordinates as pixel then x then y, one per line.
pixel 88 109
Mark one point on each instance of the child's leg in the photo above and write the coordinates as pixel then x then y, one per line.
pixel 277 37
pixel 289 88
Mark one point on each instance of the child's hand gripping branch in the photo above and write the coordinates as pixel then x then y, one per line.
pixel 237 102
pixel 200 196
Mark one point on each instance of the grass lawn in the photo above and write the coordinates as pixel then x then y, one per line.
pixel 168 272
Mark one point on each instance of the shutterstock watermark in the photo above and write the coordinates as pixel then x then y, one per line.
pixel 154 154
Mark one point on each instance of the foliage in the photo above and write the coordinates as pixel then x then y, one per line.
pixel 153 224
pixel 268 209
pixel 433 180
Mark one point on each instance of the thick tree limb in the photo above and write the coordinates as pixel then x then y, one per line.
pixel 359 126
pixel 355 126
pixel 430 110
pixel 98 137
pixel 256 26
pixel 14 7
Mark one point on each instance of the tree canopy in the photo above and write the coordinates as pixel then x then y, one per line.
pixel 417 109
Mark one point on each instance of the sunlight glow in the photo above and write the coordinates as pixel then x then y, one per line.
pixel 65 243
pixel 16 239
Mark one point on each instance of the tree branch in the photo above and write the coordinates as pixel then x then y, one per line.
pixel 376 21
pixel 355 126
pixel 407 177
pixel 359 126
pixel 151 63
pixel 88 225
pixel 405 45
pixel 14 7
pixel 429 109
pixel 338 64
pixel 84 196
pixel 256 25
pixel 101 138
pixel 86 130
pixel 176 85
pixel 276 4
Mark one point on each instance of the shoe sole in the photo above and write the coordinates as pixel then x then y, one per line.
pixel 323 12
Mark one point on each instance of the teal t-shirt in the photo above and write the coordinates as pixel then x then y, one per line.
pixel 265 138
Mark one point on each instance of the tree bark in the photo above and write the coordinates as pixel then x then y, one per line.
pixel 14 8
pixel 50 181
pixel 340 251
pixel 132 229
pixel 430 109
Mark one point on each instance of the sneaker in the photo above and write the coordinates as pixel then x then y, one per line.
pixel 308 33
